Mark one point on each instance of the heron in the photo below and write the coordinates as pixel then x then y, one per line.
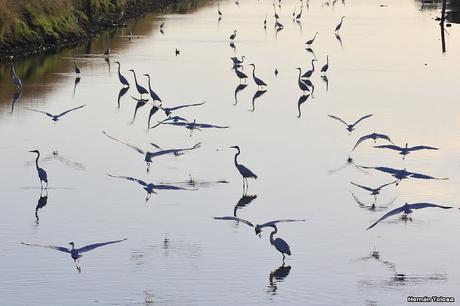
pixel 310 42
pixel 337 28
pixel 42 201
pixel 16 80
pixel 309 73
pixel 326 66
pixel 150 187
pixel 373 136
pixel 258 81
pixel 153 95
pixel 258 227
pixel 279 244
pixel 301 84
pixel 196 126
pixel 373 191
pixel 244 201
pixel 56 118
pixel 302 99
pixel 169 110
pixel 244 171
pixel 351 127
pixel 299 15
pixel 76 254
pixel 237 61
pixel 406 149
pixel 41 173
pixel 173 119
pixel 141 90
pixel 122 79
pixel 239 88
pixel 310 85
pixel 406 209
pixel 77 69
pixel 401 174
pixel 232 37
pixel 149 156
pixel 240 75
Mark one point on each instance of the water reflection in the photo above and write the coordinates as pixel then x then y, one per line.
pixel 122 92
pixel 277 276
pixel 239 88
pixel 244 201
pixel 16 96
pixel 140 103
pixel 42 201
pixel 258 94
pixel 372 207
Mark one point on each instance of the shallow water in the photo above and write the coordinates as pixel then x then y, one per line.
pixel 389 63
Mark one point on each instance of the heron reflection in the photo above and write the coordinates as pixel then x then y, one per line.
pixel 302 100
pixel 277 276
pixel 239 88
pixel 257 95
pixel 244 201
pixel 42 201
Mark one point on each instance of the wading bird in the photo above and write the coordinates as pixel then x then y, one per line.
pixel 310 42
pixel 122 79
pixel 351 127
pixel 169 110
pixel 244 171
pixel 232 37
pixel 337 28
pixel 373 191
pixel 258 81
pixel 279 244
pixel 75 253
pixel 244 201
pixel 148 156
pixel 406 209
pixel 373 136
pixel 56 118
pixel 405 150
pixel 403 174
pixel 153 95
pixel 302 84
pixel 150 187
pixel 274 11
pixel 258 227
pixel 309 73
pixel 16 80
pixel 41 173
pixel 141 90
pixel 326 66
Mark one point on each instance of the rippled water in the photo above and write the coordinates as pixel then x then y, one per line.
pixel 388 62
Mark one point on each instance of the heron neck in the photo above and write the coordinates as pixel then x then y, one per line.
pixel 135 79
pixel 272 240
pixel 300 72
pixel 236 157
pixel 313 65
pixel 36 160
pixel 254 71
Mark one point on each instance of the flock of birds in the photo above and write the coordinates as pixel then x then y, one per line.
pixel 172 119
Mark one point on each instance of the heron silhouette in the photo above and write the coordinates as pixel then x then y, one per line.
pixel 153 95
pixel 373 136
pixel 191 126
pixel 168 110
pixel 326 66
pixel 339 26
pixel 239 88
pixel 258 81
pixel 406 149
pixel 301 83
pixel 351 127
pixel 401 174
pixel 279 244
pixel 258 227
pixel 76 254
pixel 122 79
pixel 41 173
pixel 243 170
pixel 311 41
pixel 56 118
pixel 309 73
pixel 16 80
pixel 141 90
pixel 240 75
pixel 42 201
pixel 233 36
pixel 406 209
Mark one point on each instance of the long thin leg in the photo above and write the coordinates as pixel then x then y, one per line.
pixel 283 258
pixel 77 266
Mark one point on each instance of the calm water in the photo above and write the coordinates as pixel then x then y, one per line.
pixel 389 63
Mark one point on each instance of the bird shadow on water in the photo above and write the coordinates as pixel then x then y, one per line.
pixel 16 96
pixel 239 88
pixel 122 92
pixel 42 201
pixel 277 276
pixel 302 100
pixel 257 95
pixel 244 201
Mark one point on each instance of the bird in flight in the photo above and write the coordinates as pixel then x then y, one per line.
pixel 373 136
pixel 56 118
pixel 401 174
pixel 374 191
pixel 169 110
pixel 75 253
pixel 195 126
pixel 350 127
pixel 406 209
pixel 258 227
pixel 405 150
pixel 150 187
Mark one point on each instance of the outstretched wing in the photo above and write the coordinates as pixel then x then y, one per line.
pixel 363 187
pixel 362 118
pixel 363 138
pixel 96 245
pixel 416 148
pixel 70 110
pixel 385 169
pixel 271 223
pixel 127 144
pixel 39 111
pixel 141 182
pixel 387 215
pixel 169 187
pixel 58 248
pixel 390 183
pixel 424 205
pixel 425 177
pixel 208 126
pixel 185 105
pixel 231 218
pixel 391 147
pixel 383 136
pixel 337 118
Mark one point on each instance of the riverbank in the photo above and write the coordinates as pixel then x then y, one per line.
pixel 32 27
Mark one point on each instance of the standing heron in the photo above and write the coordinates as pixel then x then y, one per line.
pixel 232 37
pixel 279 244
pixel 16 80
pixel 401 174
pixel 310 42
pixel 350 127
pixel 258 81
pixel 301 84
pixel 326 66
pixel 153 95
pixel 141 90
pixel 122 79
pixel 337 28
pixel 41 173
pixel 75 253
pixel 309 73
pixel 77 69
pixel 244 171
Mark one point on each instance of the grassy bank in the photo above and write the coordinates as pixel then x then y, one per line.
pixel 28 27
